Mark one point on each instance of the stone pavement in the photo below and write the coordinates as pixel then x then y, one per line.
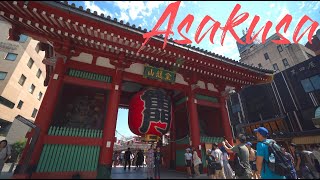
pixel 5 174
pixel 120 173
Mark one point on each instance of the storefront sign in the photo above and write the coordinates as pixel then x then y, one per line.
pixel 308 66
pixel 159 74
pixel 7 47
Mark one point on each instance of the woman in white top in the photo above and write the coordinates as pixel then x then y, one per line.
pixel 226 166
pixel 196 162
pixel 187 159
pixel 5 153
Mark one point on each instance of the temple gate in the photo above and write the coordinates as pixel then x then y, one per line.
pixel 92 69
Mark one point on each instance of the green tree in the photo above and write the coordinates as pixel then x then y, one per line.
pixel 16 150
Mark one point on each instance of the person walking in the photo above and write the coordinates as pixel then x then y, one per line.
pixel 252 160
pixel 263 155
pixel 242 169
pixel 140 159
pixel 316 153
pixel 196 162
pixel 187 160
pixel 300 163
pixel 210 164
pixel 217 155
pixel 5 153
pixel 226 166
pixel 158 161
pixel 127 159
pixel 293 173
pixel 150 162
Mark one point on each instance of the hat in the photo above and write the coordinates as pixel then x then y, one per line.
pixel 215 144
pixel 188 149
pixel 209 150
pixel 293 144
pixel 263 131
pixel 249 143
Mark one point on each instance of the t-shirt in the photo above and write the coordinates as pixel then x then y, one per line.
pixel 217 154
pixel 263 151
pixel 150 155
pixel 296 155
pixel 243 155
pixel 157 157
pixel 187 156
pixel 127 155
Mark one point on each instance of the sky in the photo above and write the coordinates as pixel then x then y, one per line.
pixel 147 13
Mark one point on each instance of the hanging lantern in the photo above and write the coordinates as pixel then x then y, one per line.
pixel 150 112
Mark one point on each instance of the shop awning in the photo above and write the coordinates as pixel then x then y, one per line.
pixel 307 140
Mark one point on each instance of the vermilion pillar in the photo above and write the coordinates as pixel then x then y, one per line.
pixel 173 141
pixel 194 122
pixel 47 108
pixel 225 120
pixel 105 159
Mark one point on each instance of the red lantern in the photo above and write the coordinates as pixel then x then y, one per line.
pixel 150 112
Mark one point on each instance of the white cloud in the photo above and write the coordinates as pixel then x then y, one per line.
pixel 316 6
pixel 229 48
pixel 137 9
pixel 302 5
pixel 284 11
pixel 124 16
pixel 272 5
pixel 93 7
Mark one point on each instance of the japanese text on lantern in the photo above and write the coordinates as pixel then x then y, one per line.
pixel 159 74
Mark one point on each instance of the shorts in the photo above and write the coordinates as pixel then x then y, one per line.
pixel 211 170
pixel 253 165
pixel 188 163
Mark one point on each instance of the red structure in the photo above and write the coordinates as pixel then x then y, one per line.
pixel 93 69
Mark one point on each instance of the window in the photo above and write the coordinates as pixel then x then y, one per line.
pixel 260 66
pixel 3 75
pixel 39 73
pixel 11 56
pixel 40 96
pixel 311 84
pixel 34 113
pixel 6 102
pixel 22 80
pixel 236 108
pixel 32 87
pixel 285 62
pixel 30 63
pixel 23 38
pixel 20 104
pixel 315 80
pixel 266 56
pixel 279 47
pixel 37 48
pixel 275 67
pixel 307 86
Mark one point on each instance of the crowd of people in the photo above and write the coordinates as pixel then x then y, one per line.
pixel 268 161
pixel 153 158
pixel 265 160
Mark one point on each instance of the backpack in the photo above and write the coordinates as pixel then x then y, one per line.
pixel 239 168
pixel 277 161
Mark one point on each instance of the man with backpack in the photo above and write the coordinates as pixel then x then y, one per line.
pixel 271 162
pixel 242 166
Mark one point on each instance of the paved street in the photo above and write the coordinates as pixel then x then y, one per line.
pixel 5 174
pixel 120 173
